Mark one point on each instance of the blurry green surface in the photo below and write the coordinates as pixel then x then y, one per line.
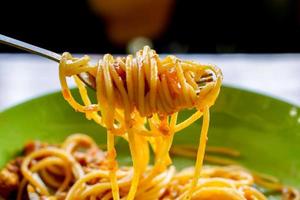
pixel 265 130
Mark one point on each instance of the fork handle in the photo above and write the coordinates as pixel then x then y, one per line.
pixel 30 48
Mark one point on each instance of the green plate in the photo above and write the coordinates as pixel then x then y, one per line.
pixel 265 130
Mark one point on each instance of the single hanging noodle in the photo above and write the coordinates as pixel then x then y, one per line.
pixel 132 91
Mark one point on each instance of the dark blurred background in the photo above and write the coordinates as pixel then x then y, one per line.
pixel 174 26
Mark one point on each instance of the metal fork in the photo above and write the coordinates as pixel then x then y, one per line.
pixel 87 78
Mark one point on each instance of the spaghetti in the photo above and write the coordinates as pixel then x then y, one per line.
pixel 132 91
pixel 138 99
pixel 78 169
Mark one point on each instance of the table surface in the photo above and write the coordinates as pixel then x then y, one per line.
pixel 25 76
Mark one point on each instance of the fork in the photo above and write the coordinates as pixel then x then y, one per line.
pixel 87 78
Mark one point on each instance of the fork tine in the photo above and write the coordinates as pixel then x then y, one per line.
pixel 205 79
pixel 207 74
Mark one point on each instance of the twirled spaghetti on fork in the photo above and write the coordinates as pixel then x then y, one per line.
pixel 132 91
